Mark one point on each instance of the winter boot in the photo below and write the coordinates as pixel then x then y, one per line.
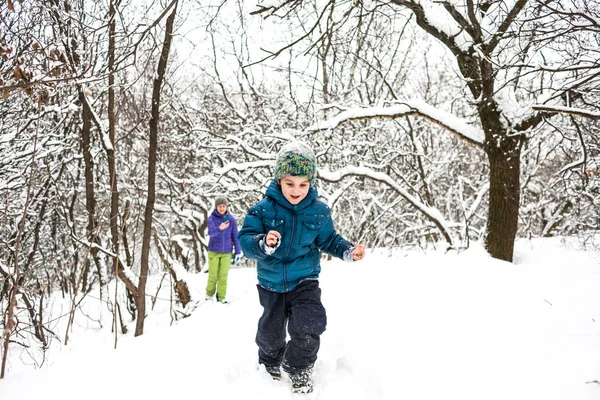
pixel 302 381
pixel 274 371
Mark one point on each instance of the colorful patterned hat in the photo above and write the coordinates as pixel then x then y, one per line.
pixel 296 159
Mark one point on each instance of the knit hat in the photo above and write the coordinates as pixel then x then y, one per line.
pixel 296 159
pixel 220 200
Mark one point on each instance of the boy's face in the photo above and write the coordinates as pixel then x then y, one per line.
pixel 222 209
pixel 294 188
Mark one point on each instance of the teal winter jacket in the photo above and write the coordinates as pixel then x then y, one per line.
pixel 305 228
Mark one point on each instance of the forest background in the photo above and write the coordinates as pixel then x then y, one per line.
pixel 435 123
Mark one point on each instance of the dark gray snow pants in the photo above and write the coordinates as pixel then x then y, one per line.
pixel 303 313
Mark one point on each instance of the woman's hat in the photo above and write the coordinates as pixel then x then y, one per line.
pixel 220 200
pixel 296 159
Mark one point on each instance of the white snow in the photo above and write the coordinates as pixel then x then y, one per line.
pixel 401 325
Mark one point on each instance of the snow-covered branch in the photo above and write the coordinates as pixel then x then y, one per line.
pixel 432 213
pixel 106 142
pixel 478 200
pixel 452 123
pixel 432 17
pixel 567 110
pixel 244 166
pixel 516 9
pixel 250 150
pixel 125 273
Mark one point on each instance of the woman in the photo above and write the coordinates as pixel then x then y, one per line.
pixel 223 238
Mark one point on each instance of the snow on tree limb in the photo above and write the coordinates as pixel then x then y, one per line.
pixel 125 272
pixel 478 200
pixel 573 165
pixel 106 142
pixel 243 166
pixel 432 17
pixel 452 123
pixel 249 149
pixel 567 110
pixel 432 213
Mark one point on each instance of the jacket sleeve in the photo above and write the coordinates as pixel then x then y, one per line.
pixel 213 226
pixel 234 236
pixel 252 232
pixel 330 241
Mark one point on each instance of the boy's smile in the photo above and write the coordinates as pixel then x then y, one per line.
pixel 294 188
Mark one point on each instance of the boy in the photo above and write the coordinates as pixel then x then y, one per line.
pixel 284 233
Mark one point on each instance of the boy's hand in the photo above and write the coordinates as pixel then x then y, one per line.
pixel 273 237
pixel 359 252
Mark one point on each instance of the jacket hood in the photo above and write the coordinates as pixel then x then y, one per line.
pixel 274 192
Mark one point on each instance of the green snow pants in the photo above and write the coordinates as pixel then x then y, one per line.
pixel 218 269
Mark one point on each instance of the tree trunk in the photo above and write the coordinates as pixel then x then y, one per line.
pixel 110 152
pixel 152 153
pixel 504 195
pixel 90 197
pixel 504 155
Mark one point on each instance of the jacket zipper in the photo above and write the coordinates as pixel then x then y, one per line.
pixel 285 286
pixel 223 241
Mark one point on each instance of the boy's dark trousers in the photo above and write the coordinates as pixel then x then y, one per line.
pixel 301 310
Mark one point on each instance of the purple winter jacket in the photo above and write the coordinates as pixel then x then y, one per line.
pixel 225 240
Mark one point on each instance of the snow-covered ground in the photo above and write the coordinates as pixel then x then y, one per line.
pixel 401 325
